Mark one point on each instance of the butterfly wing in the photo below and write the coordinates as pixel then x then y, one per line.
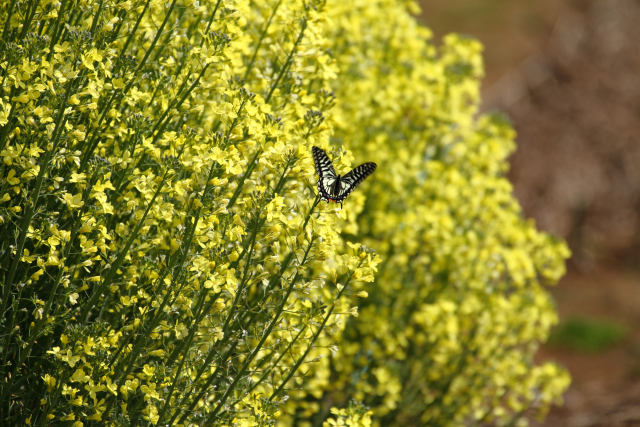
pixel 326 173
pixel 323 164
pixel 330 185
pixel 353 178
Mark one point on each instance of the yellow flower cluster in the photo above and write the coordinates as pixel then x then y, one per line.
pixel 448 334
pixel 165 258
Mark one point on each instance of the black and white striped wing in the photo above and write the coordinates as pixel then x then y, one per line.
pixel 353 178
pixel 326 174
pixel 323 164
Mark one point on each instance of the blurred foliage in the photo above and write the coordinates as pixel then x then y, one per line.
pixel 163 253
pixel 588 335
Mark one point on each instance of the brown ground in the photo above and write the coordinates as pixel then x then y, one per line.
pixel 567 73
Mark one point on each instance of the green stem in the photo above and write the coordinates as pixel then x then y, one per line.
pixel 22 237
pixel 253 310
pixel 273 365
pixel 91 142
pixel 29 16
pixel 212 353
pixel 132 33
pixel 57 28
pixel 155 318
pixel 211 18
pixel 247 173
pixel 201 311
pixel 176 103
pixel 257 348
pixel 96 17
pixel 115 266
pixel 313 340
pixel 8 20
pixel 260 39
pixel 241 286
pixel 288 62
pixel 31 207
pixel 66 252
pixel 143 61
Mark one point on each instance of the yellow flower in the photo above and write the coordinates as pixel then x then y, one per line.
pixel 73 201
pixel 176 243
pixel 49 381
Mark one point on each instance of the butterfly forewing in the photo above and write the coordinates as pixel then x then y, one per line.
pixel 358 174
pixel 324 168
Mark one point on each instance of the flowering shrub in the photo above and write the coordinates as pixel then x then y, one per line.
pixel 165 258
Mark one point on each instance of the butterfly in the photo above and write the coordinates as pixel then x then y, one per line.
pixel 333 187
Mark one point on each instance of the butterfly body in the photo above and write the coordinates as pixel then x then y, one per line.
pixel 333 187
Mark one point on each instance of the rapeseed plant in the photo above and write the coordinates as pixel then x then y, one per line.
pixel 164 255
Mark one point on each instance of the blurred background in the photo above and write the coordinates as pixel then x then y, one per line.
pixel 567 74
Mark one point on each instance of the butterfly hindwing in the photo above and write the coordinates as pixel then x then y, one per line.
pixel 333 187
pixel 325 185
